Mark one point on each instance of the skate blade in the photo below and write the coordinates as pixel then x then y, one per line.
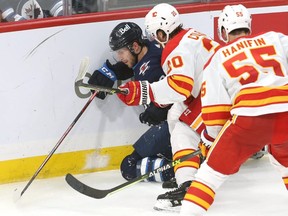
pixel 166 205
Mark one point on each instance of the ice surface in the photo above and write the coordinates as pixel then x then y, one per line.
pixel 257 190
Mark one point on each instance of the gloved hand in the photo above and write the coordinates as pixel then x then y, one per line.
pixel 139 92
pixel 104 76
pixel 121 70
pixel 205 143
pixel 154 115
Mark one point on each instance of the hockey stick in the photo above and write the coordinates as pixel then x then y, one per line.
pixel 103 88
pixel 99 194
pixel 83 67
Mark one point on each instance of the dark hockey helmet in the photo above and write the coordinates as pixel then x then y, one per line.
pixel 124 34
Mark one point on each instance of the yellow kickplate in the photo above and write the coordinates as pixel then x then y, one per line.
pixel 60 164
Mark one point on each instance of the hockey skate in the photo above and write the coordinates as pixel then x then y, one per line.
pixel 171 200
pixel 259 154
pixel 170 184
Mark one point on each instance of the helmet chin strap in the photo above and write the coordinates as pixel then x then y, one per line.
pixel 163 43
pixel 227 37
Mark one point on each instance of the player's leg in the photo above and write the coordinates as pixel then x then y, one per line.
pixel 237 141
pixel 155 142
pixel 184 141
pixel 128 165
pixel 149 164
pixel 152 150
pixel 279 148
pixel 282 169
pixel 174 113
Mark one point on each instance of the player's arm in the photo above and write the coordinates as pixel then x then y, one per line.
pixel 179 81
pixel 141 92
pixel 175 87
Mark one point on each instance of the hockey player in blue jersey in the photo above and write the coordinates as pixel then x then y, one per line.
pixel 139 58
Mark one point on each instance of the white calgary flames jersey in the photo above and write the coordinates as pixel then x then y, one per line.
pixel 183 60
pixel 246 78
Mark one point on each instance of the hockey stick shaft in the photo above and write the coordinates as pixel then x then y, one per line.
pixel 99 194
pixel 58 143
pixel 103 88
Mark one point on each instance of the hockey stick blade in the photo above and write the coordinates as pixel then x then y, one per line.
pixel 100 194
pixel 83 69
pixel 103 88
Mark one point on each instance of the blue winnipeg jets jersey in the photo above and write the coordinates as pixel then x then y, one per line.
pixel 149 67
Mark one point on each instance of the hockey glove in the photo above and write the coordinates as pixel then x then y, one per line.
pixel 139 92
pixel 154 115
pixel 104 76
pixel 205 143
pixel 121 70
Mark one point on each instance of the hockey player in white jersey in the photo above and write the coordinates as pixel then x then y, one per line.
pixel 244 106
pixel 183 58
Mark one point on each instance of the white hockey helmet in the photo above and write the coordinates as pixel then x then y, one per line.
pixel 233 17
pixel 163 17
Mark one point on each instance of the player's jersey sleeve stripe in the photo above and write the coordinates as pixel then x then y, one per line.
pixel 181 84
pixel 216 115
pixel 197 123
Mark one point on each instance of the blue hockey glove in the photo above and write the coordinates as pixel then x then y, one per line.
pixel 104 76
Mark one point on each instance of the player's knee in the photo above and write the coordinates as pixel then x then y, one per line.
pixel 128 168
pixel 128 165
